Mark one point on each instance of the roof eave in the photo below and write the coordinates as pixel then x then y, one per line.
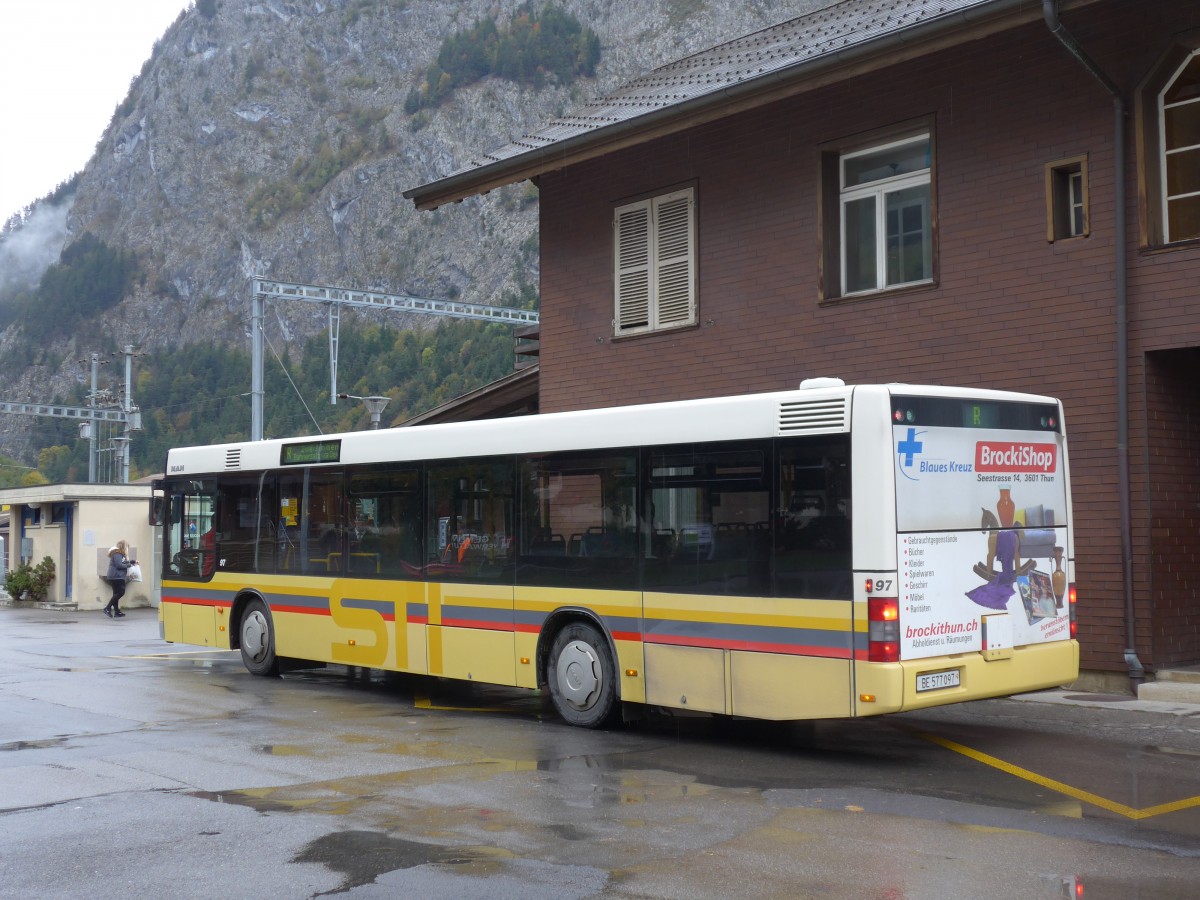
pixel 918 40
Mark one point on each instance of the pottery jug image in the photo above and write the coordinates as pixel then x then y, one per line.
pixel 1058 578
pixel 1005 508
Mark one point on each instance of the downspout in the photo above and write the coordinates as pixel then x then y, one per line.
pixel 1137 674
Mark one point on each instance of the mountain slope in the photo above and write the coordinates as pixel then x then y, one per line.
pixel 269 137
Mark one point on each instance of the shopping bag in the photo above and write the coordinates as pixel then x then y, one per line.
pixel 134 573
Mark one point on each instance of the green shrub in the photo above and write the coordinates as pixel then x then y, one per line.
pixel 27 582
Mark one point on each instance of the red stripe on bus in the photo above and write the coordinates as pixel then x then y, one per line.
pixel 192 601
pixel 627 636
pixel 472 623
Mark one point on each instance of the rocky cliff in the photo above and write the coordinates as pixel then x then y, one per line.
pixel 214 168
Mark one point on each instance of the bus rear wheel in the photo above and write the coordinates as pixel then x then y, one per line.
pixel 258 640
pixel 582 677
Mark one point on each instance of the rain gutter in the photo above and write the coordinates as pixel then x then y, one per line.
pixel 1137 674
pixel 555 155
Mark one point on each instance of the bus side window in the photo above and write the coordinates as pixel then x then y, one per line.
pixel 812 519
pixel 385 535
pixel 312 522
pixel 708 513
pixel 189 527
pixel 578 520
pixel 245 525
pixel 470 520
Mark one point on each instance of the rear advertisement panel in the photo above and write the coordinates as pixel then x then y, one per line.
pixel 981 521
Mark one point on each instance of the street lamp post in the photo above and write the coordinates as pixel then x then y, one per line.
pixel 374 405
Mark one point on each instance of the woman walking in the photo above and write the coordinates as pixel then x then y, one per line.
pixel 118 565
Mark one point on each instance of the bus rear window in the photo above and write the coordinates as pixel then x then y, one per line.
pixel 957 412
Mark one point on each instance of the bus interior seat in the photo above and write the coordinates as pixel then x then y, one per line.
pixel 550 545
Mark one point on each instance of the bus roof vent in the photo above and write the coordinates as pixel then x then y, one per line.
pixel 813 416
pixel 233 458
pixel 821 382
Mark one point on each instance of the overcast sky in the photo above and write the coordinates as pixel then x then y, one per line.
pixel 64 67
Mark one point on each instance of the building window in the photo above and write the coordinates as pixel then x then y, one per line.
pixel 1179 121
pixel 1067 199
pixel 885 199
pixel 654 249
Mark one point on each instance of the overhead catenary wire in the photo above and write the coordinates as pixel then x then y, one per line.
pixel 317 424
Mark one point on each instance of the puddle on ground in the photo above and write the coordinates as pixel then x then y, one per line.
pixel 244 798
pixel 568 832
pixel 1101 698
pixel 1094 888
pixel 283 750
pixel 362 856
pixel 34 745
pixel 1171 751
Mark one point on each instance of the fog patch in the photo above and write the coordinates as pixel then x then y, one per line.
pixel 29 248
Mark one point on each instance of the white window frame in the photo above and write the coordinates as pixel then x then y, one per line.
pixel 1076 208
pixel 1067 202
pixel 879 191
pixel 654 264
pixel 1164 151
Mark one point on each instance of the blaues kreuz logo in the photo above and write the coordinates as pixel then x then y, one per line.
pixel 906 452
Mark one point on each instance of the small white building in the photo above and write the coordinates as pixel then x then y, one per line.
pixel 75 525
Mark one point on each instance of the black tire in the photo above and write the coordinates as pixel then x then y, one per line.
pixel 582 677
pixel 257 640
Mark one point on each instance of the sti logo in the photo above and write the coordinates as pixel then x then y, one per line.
pixel 906 451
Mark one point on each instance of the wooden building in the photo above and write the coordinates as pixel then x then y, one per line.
pixel 996 193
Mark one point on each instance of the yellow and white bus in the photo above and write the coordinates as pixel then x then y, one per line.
pixel 824 552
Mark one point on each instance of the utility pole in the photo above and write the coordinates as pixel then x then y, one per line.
pixel 334 299
pixel 257 304
pixel 101 407
pixel 92 426
pixel 133 416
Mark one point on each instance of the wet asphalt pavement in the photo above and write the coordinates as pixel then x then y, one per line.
pixel 133 767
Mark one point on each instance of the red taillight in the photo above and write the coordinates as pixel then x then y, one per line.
pixel 1071 598
pixel 883 629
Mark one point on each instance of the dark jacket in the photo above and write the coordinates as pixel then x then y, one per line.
pixel 118 565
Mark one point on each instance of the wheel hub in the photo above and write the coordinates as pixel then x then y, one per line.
pixel 254 634
pixel 579 676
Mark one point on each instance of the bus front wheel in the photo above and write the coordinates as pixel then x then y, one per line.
pixel 582 677
pixel 258 640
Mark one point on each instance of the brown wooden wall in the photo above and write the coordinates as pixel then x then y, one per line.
pixel 1008 310
pixel 1173 438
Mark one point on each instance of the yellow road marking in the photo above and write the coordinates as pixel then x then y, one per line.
pixel 1059 786
pixel 420 701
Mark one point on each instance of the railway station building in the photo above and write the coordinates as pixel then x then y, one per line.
pixel 988 193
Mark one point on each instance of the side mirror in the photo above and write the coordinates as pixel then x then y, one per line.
pixel 157 506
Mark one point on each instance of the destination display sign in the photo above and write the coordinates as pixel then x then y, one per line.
pixel 310 453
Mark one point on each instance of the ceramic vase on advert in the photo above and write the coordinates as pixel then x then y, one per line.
pixel 1005 508
pixel 1059 578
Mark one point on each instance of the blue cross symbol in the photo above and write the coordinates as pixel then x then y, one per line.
pixel 909 447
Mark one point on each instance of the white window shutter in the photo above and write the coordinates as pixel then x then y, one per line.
pixel 675 259
pixel 655 263
pixel 631 234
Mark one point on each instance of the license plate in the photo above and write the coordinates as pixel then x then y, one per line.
pixel 935 681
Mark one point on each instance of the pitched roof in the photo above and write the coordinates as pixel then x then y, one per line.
pixel 676 95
